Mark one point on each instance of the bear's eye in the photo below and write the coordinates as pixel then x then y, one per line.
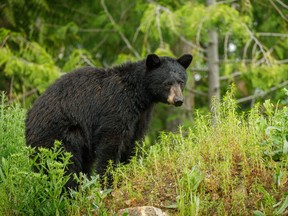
pixel 168 84
pixel 181 83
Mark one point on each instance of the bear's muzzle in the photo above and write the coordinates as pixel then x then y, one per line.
pixel 175 96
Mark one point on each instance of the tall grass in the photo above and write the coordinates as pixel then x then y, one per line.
pixel 228 164
pixel 221 165
pixel 25 192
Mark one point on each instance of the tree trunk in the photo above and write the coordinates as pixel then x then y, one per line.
pixel 213 63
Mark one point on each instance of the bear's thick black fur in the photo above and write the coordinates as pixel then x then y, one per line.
pixel 99 114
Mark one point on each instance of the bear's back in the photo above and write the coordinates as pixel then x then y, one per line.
pixel 87 96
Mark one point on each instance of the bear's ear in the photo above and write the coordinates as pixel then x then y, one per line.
pixel 185 60
pixel 152 61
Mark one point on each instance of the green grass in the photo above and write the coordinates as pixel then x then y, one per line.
pixel 24 192
pixel 229 164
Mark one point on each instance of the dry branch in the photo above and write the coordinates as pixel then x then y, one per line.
pixel 263 93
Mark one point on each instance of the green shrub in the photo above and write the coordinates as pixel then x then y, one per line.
pixel 11 128
pixel 223 164
pixel 25 192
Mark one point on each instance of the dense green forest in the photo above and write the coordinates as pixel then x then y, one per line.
pixel 245 41
pixel 229 154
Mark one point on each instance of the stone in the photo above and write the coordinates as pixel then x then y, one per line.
pixel 142 211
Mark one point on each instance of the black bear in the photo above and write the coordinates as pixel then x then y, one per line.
pixel 99 114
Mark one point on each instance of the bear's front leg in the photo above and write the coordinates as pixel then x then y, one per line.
pixel 117 149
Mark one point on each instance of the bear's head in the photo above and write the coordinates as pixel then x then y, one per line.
pixel 166 78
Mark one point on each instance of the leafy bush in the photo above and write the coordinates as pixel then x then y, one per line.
pixel 225 164
pixel 26 62
pixel 25 192
pixel 11 128
pixel 222 164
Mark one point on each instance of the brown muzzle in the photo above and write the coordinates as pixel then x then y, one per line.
pixel 175 96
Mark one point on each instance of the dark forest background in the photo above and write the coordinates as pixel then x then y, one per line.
pixel 244 42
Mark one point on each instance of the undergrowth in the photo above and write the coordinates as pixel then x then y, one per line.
pixel 25 192
pixel 230 163
pixel 227 164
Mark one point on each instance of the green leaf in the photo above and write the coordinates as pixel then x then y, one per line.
pixel 283 207
pixel 258 213
pixel 172 206
pixel 285 146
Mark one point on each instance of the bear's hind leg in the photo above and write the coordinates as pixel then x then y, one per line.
pixel 76 144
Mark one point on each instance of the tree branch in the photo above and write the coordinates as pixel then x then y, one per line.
pixel 87 61
pixel 182 38
pixel 199 29
pixel 159 26
pixel 282 4
pixel 272 34
pixel 189 43
pixel 279 11
pixel 262 94
pixel 196 92
pixel 21 97
pixel 199 69
pixel 247 61
pixel 4 41
pixel 246 48
pixel 257 42
pixel 100 43
pixel 126 41
pixel 230 76
pixel 96 30
pixel 284 61
pixel 226 2
pixel 226 40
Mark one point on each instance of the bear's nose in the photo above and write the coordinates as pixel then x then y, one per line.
pixel 178 101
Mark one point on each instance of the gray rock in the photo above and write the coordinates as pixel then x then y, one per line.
pixel 142 211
